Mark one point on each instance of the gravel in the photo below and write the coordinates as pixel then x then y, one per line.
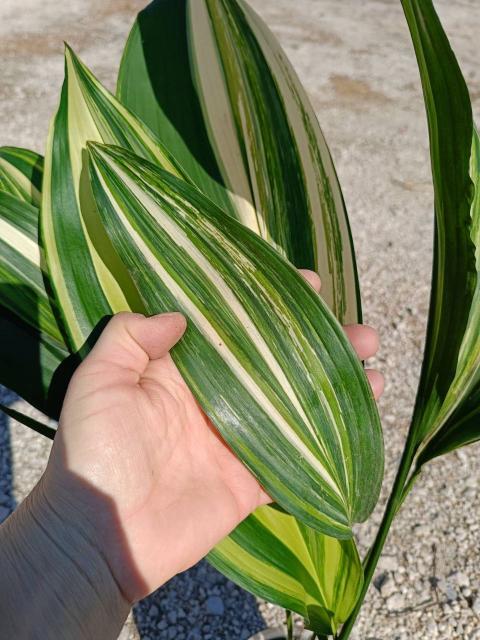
pixel 356 61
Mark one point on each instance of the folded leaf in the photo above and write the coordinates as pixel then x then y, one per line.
pixel 264 356
pixel 21 172
pixel 212 82
pixel 459 418
pixel 280 559
pixel 452 352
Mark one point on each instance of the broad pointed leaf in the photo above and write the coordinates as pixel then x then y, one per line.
pixel 211 81
pixel 21 172
pixel 264 356
pixel 88 111
pixel 85 287
pixel 452 352
pixel 280 559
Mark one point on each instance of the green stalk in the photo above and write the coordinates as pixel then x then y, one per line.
pixel 289 624
pixel 394 502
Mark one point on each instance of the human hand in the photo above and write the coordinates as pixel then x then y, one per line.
pixel 132 432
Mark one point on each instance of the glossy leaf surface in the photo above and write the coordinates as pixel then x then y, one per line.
pixel 452 353
pixel 229 104
pixel 263 355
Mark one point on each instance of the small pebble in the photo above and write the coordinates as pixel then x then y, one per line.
pixel 447 589
pixel 215 606
pixel 395 602
pixel 459 578
pixel 388 563
pixel 153 611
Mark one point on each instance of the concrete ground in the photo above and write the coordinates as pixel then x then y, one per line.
pixel 357 64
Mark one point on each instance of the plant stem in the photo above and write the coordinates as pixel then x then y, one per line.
pixel 289 624
pixel 394 502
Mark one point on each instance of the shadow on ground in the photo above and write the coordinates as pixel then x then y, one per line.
pixel 199 604
pixel 7 502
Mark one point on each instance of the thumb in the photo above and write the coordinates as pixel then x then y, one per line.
pixel 131 340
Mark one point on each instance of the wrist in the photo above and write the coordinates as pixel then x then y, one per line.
pixel 55 575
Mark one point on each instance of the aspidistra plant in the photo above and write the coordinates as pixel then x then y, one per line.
pixel 197 188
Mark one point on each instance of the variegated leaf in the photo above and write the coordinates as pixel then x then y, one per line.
pixel 458 421
pixel 280 559
pixel 229 102
pixel 21 172
pixel 32 347
pixel 451 366
pixel 263 355
pixel 88 111
pixel 22 270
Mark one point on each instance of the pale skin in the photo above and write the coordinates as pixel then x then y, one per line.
pixel 138 487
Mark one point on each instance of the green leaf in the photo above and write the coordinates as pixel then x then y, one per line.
pixel 87 111
pixel 33 366
pixel 35 425
pixel 452 353
pixel 280 559
pixel 212 82
pixel 86 286
pixel 21 172
pixel 263 355
pixel 33 354
pixel 460 417
pixel 22 270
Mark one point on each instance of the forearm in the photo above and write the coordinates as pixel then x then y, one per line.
pixel 54 583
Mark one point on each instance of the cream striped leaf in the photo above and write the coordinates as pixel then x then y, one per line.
pixel 87 287
pixel 280 559
pixel 263 355
pixel 32 346
pixel 22 269
pixel 238 111
pixel 168 30
pixel 21 172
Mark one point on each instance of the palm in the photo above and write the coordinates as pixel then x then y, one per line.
pixel 162 461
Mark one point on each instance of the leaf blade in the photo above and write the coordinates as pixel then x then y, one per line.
pixel 442 384
pixel 274 556
pixel 21 172
pixel 222 49
pixel 22 270
pixel 210 254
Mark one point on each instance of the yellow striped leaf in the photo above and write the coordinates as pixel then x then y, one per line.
pixel 280 559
